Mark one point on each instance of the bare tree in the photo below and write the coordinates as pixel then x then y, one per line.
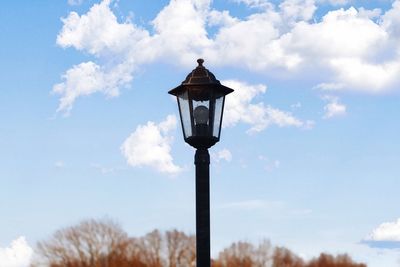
pixel 181 249
pixel 91 243
pixel 151 247
pixel 283 257
pixel 103 243
pixel 262 256
pixel 237 255
pixel 325 260
pixel 244 254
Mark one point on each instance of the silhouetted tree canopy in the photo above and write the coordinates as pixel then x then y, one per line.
pixel 103 243
pixel 245 254
pixel 326 260
pixel 283 257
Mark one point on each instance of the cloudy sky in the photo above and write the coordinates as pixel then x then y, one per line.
pixel 309 153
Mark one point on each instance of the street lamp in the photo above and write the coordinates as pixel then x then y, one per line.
pixel 201 99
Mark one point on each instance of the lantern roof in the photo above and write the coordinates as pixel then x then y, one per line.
pixel 201 76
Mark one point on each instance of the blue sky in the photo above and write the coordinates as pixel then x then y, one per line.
pixel 309 151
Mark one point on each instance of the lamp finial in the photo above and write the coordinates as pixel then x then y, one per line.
pixel 200 61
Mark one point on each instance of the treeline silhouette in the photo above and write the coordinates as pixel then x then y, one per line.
pixel 103 243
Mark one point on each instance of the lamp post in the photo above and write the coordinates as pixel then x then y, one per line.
pixel 201 99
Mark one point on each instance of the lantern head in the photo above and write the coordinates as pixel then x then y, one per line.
pixel 201 100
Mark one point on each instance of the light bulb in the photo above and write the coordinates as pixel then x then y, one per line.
pixel 200 114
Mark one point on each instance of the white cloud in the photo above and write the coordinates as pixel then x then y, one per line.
pixel 99 33
pixel 88 78
pixel 329 86
pixel 295 10
pixel 239 107
pixel 221 18
pixel 388 231
pixel 183 20
pixel 362 76
pixel 352 47
pixel 269 165
pixel 334 108
pixel 255 3
pixel 391 20
pixel 369 13
pixel 340 34
pixel 150 145
pixel 356 49
pixel 59 164
pixel 260 50
pixel 296 105
pixel 223 154
pixel 335 2
pixel 18 254
pixel 75 2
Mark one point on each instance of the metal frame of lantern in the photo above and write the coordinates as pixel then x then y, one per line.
pixel 201 90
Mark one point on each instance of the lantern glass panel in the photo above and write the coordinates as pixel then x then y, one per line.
pixel 201 118
pixel 185 112
pixel 219 105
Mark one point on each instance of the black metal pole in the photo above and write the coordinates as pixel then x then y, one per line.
pixel 202 162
